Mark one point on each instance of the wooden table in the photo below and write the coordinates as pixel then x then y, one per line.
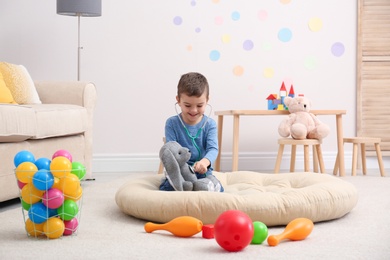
pixel 236 125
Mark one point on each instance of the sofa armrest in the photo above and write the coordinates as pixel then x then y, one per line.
pixel 74 93
pixel 67 92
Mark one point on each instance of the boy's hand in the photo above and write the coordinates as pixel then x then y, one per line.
pixel 201 166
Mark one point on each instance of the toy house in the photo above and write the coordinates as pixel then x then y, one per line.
pixel 276 102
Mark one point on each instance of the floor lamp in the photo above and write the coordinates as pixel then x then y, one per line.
pixel 88 8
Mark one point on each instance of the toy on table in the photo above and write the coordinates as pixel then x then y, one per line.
pixel 300 123
pixel 184 226
pixel 297 229
pixel 233 230
pixel 276 102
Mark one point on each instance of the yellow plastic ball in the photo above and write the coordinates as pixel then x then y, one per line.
pixel 60 166
pixel 30 194
pixel 75 196
pixel 70 185
pixel 53 228
pixel 33 229
pixel 25 172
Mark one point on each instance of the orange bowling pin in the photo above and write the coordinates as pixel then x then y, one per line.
pixel 297 229
pixel 184 226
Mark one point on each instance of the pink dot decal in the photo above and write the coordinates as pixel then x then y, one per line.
pixel 262 15
pixel 218 20
pixel 338 49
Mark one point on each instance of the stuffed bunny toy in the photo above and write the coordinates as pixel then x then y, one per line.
pixel 181 175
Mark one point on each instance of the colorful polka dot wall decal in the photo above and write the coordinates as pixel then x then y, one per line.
pixel 310 62
pixel 338 49
pixel 226 38
pixel 266 46
pixel 235 16
pixel 177 20
pixel 218 20
pixel 262 15
pixel 268 72
pixel 285 35
pixel 238 70
pixel 214 55
pixel 315 24
pixel 248 45
pixel 228 30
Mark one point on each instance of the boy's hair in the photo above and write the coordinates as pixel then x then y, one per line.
pixel 193 84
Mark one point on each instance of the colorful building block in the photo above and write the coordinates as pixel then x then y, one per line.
pixel 208 231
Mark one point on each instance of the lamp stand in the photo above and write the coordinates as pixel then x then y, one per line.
pixel 78 48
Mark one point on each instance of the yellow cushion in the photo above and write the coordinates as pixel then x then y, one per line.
pixel 19 82
pixel 5 93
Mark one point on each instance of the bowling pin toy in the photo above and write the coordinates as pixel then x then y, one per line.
pixel 297 229
pixel 185 226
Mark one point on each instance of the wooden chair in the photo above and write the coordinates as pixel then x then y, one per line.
pixel 362 141
pixel 317 154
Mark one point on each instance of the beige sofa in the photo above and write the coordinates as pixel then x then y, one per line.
pixel 64 120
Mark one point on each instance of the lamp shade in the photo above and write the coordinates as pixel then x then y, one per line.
pixel 79 7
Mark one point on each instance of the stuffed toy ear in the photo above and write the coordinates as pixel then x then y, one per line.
pixel 287 101
pixel 172 169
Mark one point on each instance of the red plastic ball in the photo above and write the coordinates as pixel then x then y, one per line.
pixel 233 230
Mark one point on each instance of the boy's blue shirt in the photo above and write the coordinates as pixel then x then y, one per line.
pixel 207 140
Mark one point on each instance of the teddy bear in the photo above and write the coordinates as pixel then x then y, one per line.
pixel 181 175
pixel 301 124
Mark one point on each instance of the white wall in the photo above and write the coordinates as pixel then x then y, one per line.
pixel 135 54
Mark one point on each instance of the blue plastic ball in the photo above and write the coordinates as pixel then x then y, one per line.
pixel 43 180
pixel 43 163
pixel 38 213
pixel 23 156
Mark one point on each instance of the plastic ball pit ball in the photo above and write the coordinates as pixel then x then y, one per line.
pixel 33 229
pixel 53 228
pixel 60 166
pixel 23 156
pixel 260 234
pixel 63 153
pixel 68 210
pixel 43 180
pixel 53 198
pixel 43 163
pixel 70 226
pixel 233 230
pixel 25 171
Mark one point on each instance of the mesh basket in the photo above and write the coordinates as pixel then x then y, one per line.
pixel 51 201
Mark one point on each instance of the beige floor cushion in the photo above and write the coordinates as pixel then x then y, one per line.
pixel 274 199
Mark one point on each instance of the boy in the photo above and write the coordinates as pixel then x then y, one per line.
pixel 191 128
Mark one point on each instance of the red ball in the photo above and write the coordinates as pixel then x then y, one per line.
pixel 233 230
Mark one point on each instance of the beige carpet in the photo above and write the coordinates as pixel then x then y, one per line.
pixel 106 233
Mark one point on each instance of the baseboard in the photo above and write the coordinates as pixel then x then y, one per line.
pixel 247 161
